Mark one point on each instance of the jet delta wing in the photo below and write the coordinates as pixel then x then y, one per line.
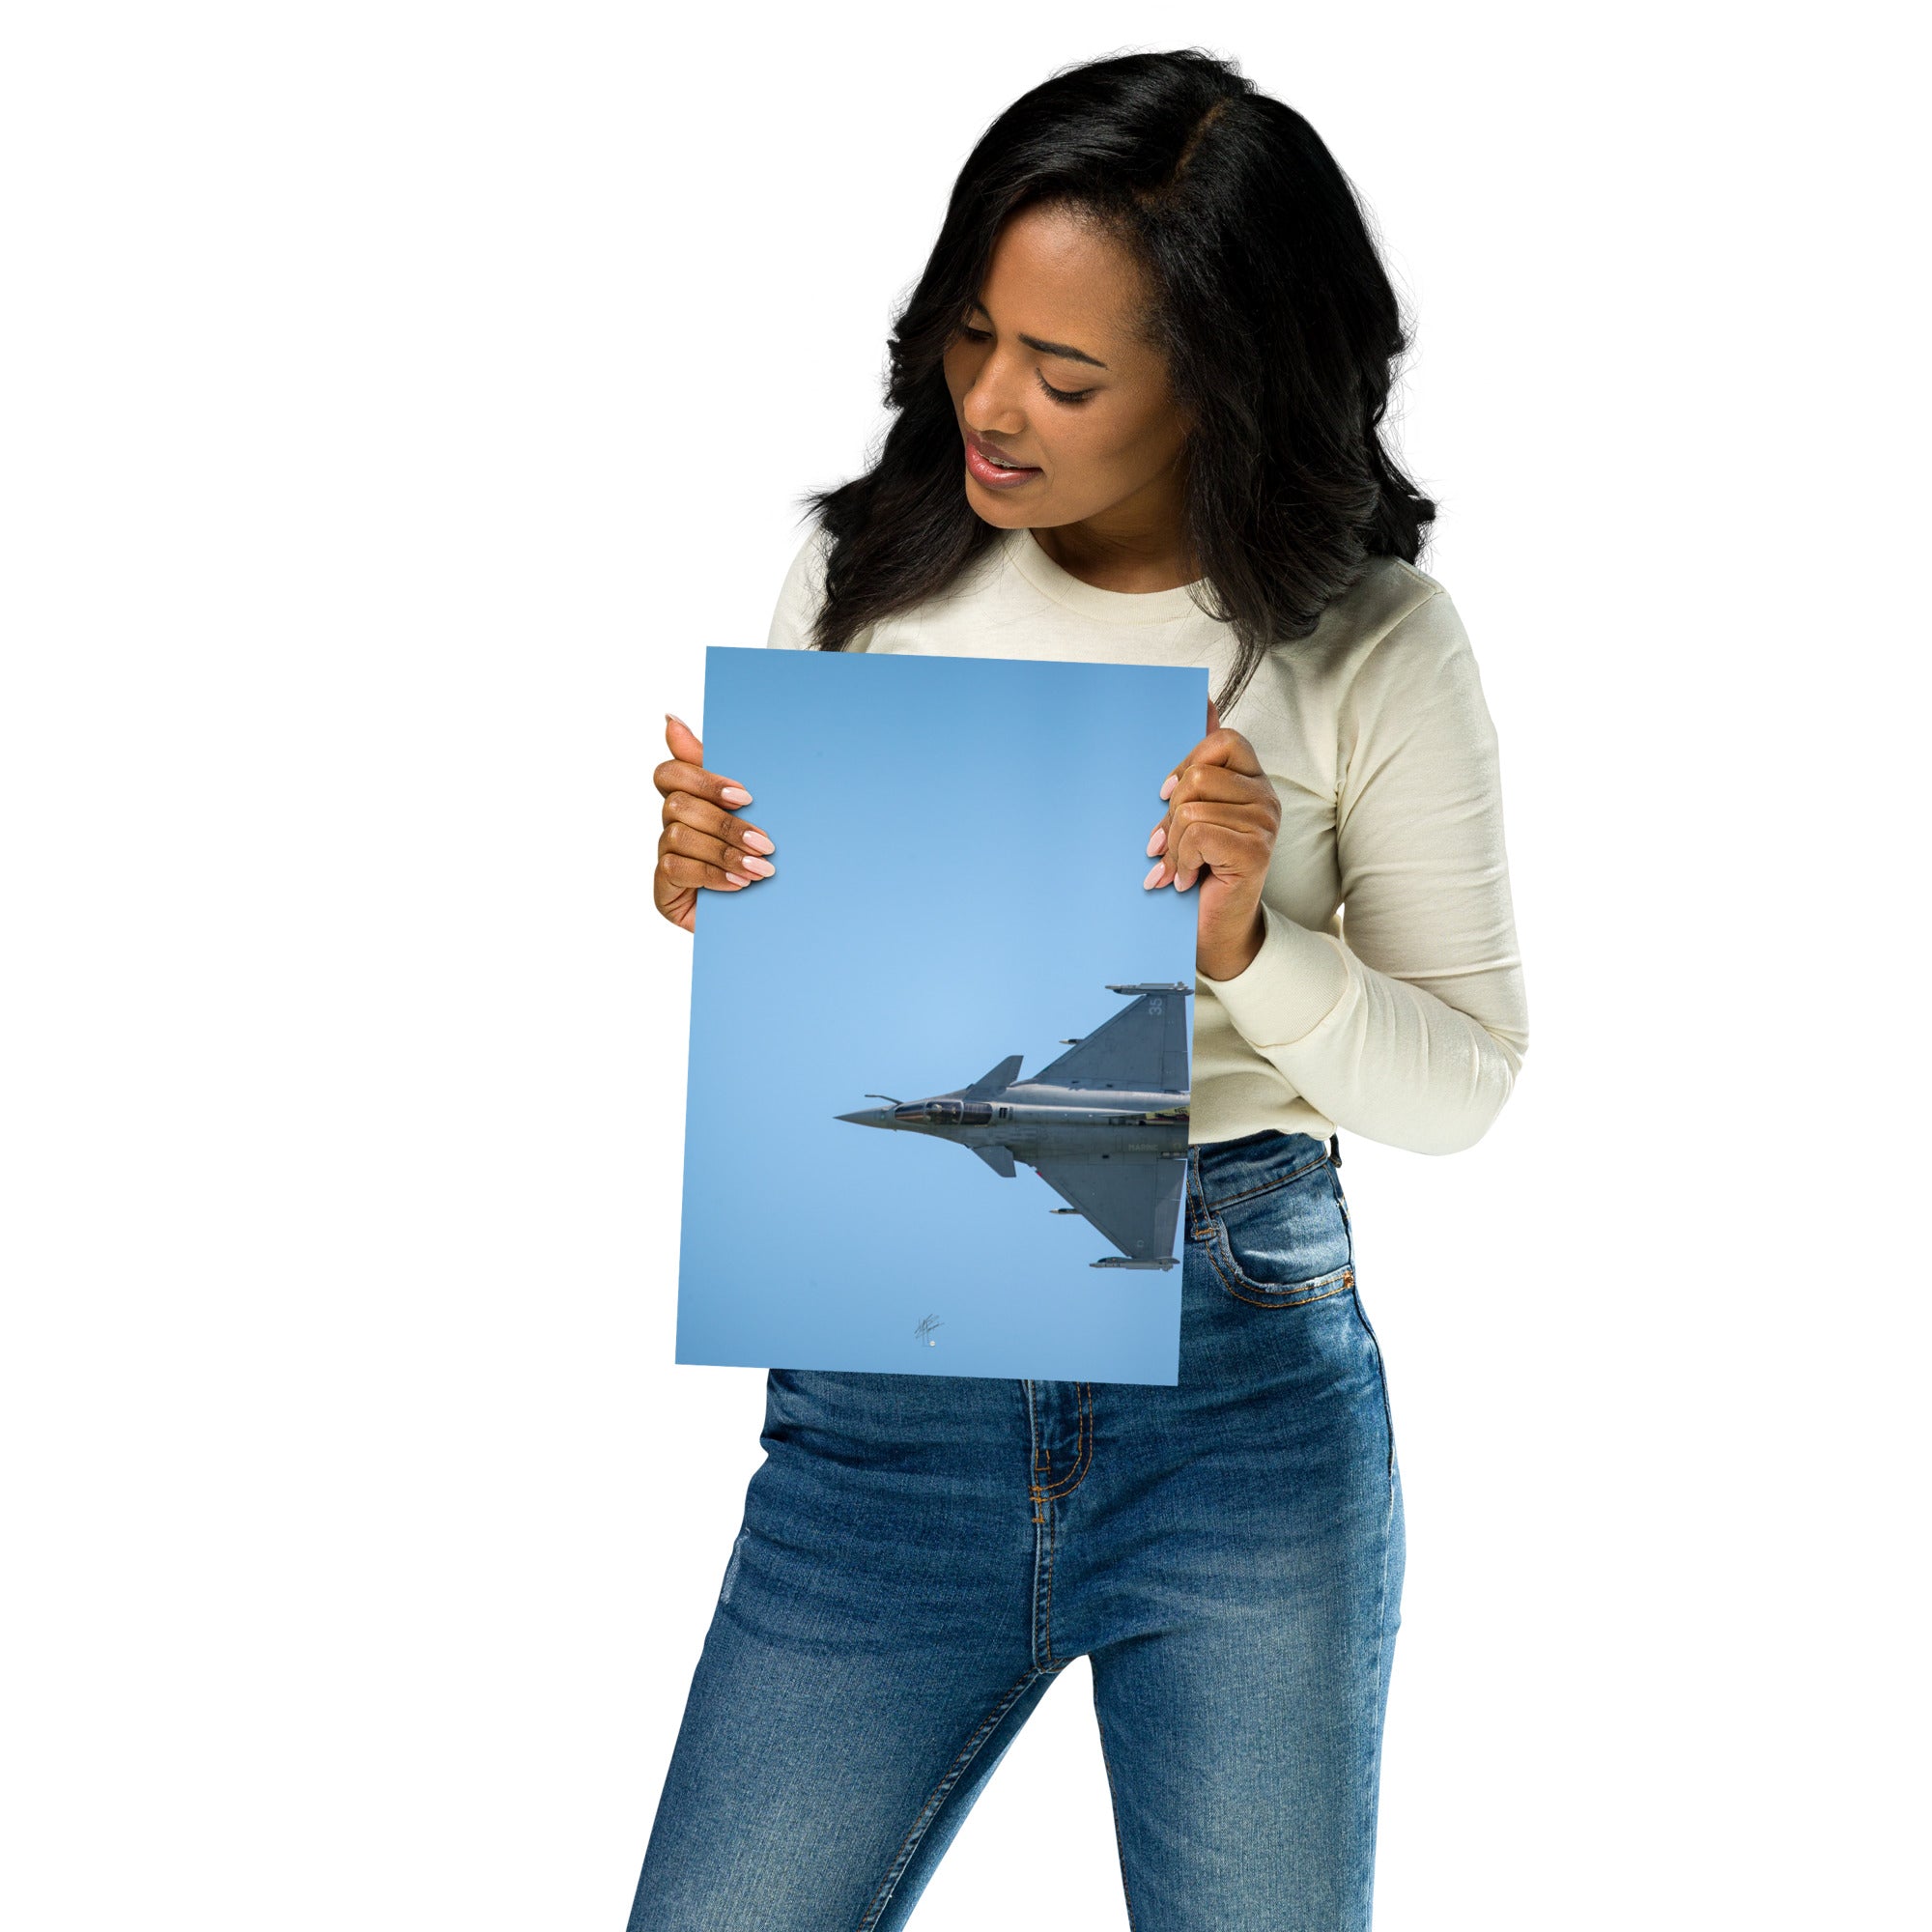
pixel 1133 1202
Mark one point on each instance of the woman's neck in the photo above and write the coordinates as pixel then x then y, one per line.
pixel 1121 559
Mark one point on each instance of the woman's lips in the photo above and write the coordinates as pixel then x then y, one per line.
pixel 996 475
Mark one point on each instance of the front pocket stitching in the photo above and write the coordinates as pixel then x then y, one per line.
pixel 1234 1277
pixel 1290 1294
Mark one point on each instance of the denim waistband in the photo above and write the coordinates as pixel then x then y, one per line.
pixel 1218 1170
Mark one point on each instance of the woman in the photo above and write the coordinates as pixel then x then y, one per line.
pixel 1138 393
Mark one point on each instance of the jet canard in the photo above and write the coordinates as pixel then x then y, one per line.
pixel 1105 1125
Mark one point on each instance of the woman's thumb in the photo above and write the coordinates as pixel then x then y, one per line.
pixel 684 741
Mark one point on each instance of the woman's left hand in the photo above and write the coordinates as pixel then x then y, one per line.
pixel 1222 816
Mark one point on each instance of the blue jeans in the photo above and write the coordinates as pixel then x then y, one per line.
pixel 921 1556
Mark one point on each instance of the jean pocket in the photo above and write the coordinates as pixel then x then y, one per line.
pixel 1284 1242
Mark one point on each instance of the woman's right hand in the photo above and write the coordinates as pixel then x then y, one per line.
pixel 703 843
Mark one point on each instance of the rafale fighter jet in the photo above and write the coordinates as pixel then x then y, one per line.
pixel 1105 1125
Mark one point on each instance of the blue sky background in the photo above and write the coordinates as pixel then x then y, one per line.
pixel 960 850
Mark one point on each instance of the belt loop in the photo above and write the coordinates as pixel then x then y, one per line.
pixel 1335 1149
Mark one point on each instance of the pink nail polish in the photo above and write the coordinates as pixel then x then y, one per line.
pixel 1153 876
pixel 738 878
pixel 1158 842
pixel 1167 788
pixel 759 843
pixel 735 795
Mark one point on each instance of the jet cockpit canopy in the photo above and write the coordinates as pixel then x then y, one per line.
pixel 948 1113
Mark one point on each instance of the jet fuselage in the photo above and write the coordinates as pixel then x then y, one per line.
pixel 1037 1124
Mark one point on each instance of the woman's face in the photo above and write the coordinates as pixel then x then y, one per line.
pixel 1055 314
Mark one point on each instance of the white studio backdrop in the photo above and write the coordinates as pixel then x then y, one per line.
pixel 398 399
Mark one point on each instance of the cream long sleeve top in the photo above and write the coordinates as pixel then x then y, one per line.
pixel 1387 997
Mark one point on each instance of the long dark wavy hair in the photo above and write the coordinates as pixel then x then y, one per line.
pixel 1270 302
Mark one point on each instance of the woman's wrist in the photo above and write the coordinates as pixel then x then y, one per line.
pixel 1226 961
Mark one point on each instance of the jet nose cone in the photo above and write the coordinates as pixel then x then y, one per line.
pixel 869 1116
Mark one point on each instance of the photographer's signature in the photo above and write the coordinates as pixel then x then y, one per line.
pixel 922 1332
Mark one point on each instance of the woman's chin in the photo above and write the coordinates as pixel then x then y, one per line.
pixel 996 507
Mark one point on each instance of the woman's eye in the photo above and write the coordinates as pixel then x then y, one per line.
pixel 1059 395
pixel 1065 396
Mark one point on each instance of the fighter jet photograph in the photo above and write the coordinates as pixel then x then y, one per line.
pixel 1105 1125
pixel 825 1228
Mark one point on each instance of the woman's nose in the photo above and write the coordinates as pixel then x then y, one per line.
pixel 990 407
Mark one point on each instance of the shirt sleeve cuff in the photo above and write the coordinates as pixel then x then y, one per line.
pixel 1288 988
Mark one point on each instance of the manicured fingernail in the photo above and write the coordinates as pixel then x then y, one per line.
pixel 759 843
pixel 735 795
pixel 1158 842
pixel 1173 780
pixel 738 878
pixel 673 715
pixel 1154 877
pixel 763 868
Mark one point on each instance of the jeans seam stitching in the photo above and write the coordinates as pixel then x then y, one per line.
pixel 1114 1798
pixel 909 1844
pixel 1381 1592
pixel 1083 1451
pixel 1381 1381
pixel 1046 1620
pixel 1039 1633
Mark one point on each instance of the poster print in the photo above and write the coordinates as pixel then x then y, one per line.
pixel 936 1118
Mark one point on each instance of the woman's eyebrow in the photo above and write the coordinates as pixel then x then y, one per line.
pixel 1071 353
pixel 1061 349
